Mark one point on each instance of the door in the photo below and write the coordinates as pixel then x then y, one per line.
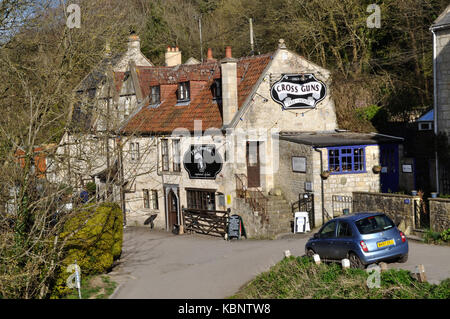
pixel 172 209
pixel 253 164
pixel 389 162
pixel 325 244
pixel 344 241
pixel 306 204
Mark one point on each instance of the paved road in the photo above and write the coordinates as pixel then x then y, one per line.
pixel 160 265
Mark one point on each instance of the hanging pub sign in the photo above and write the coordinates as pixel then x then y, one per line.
pixel 202 162
pixel 298 91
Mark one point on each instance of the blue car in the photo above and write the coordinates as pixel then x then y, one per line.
pixel 363 238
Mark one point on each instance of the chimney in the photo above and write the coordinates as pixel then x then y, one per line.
pixel 173 56
pixel 134 43
pixel 210 56
pixel 228 52
pixel 229 87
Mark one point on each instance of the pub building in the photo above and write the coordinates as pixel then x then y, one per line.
pixel 249 134
pixel 252 134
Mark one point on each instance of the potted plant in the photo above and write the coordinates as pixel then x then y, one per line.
pixel 325 174
pixel 376 169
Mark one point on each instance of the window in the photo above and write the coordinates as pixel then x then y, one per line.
pixel 134 151
pixel 201 199
pixel 374 224
pixel 176 155
pixel 425 126
pixel 346 160
pixel 150 199
pixel 146 198
pixel 344 230
pixel 216 89
pixel 328 231
pixel 165 154
pixel 155 97
pixel 183 91
pixel 154 199
pixel 127 106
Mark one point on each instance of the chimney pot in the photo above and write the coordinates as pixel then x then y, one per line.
pixel 134 42
pixel 210 54
pixel 172 56
pixel 228 52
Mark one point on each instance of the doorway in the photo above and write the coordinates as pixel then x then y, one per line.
pixel 172 207
pixel 253 164
pixel 389 161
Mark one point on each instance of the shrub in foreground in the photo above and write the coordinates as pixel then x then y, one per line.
pixel 94 240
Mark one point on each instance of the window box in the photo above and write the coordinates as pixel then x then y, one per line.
pixel 325 174
pixel 376 169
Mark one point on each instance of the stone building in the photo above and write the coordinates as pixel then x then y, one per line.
pixel 255 134
pixel 88 150
pixel 441 61
pixel 252 134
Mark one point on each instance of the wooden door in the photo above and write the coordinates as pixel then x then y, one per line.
pixel 253 164
pixel 389 160
pixel 172 209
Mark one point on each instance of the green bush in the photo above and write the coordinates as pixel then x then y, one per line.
pixel 94 239
pixel 445 235
pixel 437 238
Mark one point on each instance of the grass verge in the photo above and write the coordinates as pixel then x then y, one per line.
pixel 94 287
pixel 300 277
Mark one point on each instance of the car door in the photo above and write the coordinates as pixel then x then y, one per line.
pixel 327 236
pixel 343 241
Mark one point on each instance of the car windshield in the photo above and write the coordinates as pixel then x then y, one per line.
pixel 374 224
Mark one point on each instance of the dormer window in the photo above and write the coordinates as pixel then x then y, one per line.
pixel 183 92
pixel 216 89
pixel 155 97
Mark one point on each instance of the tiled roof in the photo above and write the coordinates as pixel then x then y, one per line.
pixel 169 115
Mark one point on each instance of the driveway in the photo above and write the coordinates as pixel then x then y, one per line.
pixel 160 265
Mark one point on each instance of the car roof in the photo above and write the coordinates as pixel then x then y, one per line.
pixel 357 216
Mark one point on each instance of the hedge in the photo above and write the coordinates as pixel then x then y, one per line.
pixel 94 239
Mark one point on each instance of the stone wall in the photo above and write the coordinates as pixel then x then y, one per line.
pixel 253 223
pixel 400 208
pixel 293 183
pixel 439 214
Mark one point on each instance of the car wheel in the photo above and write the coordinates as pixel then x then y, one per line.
pixel 403 258
pixel 310 253
pixel 355 262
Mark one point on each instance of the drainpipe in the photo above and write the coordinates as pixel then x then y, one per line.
pixel 321 186
pixel 435 107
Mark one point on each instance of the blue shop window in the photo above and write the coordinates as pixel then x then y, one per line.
pixel 346 159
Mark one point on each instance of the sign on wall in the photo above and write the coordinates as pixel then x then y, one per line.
pixel 202 162
pixel 299 164
pixel 407 168
pixel 298 91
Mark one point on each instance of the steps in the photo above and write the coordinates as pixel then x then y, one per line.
pixel 280 215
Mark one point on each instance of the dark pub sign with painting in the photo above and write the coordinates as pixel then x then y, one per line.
pixel 298 91
pixel 202 161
